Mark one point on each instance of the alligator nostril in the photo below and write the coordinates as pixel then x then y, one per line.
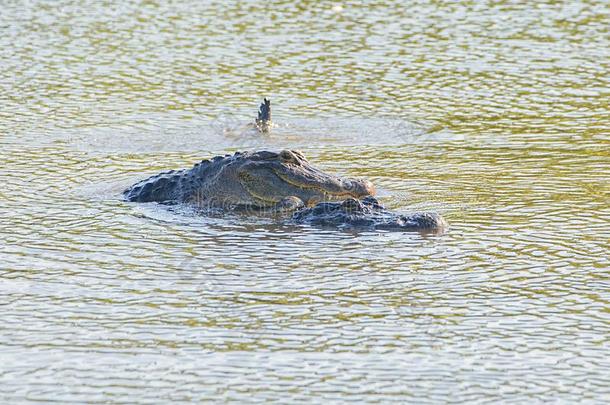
pixel 369 188
pixel 359 188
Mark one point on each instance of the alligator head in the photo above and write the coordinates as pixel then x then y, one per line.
pixel 368 214
pixel 266 179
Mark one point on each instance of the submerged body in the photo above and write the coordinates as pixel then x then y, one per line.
pixel 367 213
pixel 258 180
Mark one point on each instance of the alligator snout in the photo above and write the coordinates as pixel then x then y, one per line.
pixel 359 188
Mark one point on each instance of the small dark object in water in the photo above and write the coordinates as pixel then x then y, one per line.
pixel 263 121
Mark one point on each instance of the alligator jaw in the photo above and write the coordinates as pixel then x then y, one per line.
pixel 332 188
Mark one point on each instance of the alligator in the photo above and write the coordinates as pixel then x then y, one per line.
pixel 270 182
pixel 264 180
pixel 367 213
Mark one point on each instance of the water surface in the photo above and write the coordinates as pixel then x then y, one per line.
pixel 494 114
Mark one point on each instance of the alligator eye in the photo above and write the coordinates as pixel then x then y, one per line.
pixel 288 157
pixel 351 204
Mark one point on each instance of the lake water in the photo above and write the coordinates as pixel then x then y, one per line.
pixel 494 114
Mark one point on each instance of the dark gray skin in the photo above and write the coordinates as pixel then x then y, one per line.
pixel 367 213
pixel 261 180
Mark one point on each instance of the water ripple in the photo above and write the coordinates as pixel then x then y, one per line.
pixel 492 113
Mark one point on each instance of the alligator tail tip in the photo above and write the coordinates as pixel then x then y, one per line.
pixel 264 111
pixel 264 115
